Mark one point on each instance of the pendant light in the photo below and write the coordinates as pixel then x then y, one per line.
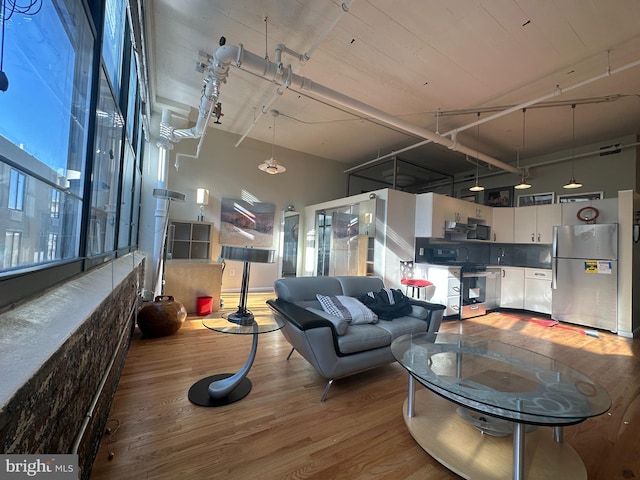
pixel 270 165
pixel 523 184
pixel 573 183
pixel 477 187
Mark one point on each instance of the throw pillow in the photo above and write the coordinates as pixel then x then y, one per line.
pixel 348 308
pixel 388 303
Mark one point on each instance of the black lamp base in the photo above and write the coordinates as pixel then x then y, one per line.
pixel 199 391
pixel 241 317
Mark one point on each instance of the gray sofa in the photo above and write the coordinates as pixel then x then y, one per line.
pixel 334 349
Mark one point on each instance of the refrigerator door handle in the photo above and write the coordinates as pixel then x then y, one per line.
pixel 554 243
pixel 554 273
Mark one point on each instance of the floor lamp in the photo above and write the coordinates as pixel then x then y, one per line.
pixel 247 255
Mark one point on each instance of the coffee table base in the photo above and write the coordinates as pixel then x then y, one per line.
pixel 199 391
pixel 462 448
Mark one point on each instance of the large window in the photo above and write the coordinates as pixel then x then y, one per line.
pixel 69 170
pixel 113 41
pixel 48 59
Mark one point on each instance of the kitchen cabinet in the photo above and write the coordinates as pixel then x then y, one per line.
pixel 189 240
pixel 502 226
pixel 447 282
pixel 433 210
pixel 535 224
pixel 537 290
pixel 512 287
pixel 477 213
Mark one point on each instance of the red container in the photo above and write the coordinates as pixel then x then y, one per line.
pixel 204 305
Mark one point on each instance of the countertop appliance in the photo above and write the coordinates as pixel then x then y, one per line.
pixel 585 275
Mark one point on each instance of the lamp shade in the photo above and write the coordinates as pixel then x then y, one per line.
pixel 247 254
pixel 202 196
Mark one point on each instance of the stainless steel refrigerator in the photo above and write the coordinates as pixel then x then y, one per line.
pixel 585 275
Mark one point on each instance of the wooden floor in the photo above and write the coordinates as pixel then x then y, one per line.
pixel 282 431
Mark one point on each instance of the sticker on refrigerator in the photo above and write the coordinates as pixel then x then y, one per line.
pixel 598 266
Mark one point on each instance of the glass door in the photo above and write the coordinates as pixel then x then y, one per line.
pixel 337 240
pixel 289 253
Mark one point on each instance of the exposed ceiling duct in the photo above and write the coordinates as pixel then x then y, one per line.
pixel 276 72
pixel 218 71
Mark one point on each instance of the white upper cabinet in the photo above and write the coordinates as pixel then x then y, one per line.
pixel 433 210
pixel 477 213
pixel 535 224
pixel 502 224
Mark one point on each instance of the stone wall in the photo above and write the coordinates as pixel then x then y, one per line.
pixel 62 402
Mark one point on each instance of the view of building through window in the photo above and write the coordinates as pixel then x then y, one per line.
pixel 65 133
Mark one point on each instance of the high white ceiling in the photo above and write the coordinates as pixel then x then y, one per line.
pixel 409 59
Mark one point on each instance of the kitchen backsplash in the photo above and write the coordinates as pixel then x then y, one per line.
pixel 507 254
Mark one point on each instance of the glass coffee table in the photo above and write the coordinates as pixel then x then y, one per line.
pixel 225 388
pixel 486 392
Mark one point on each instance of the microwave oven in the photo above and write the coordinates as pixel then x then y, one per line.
pixel 480 232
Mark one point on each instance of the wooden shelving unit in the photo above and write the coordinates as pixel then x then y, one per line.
pixel 189 240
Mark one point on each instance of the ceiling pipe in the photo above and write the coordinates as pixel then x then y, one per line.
pixel 253 63
pixel 210 94
pixel 344 8
pixel 511 109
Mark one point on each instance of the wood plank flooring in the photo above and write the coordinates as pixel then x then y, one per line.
pixel 282 431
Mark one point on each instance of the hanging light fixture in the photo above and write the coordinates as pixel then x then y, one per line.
pixel 477 187
pixel 573 183
pixel 523 183
pixel 270 165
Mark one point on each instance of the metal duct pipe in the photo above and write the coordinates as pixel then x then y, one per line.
pixel 511 109
pixel 305 57
pixel 269 70
pixel 210 95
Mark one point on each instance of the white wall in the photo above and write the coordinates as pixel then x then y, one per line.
pixel 228 171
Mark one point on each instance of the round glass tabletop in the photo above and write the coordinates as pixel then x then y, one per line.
pixel 262 323
pixel 500 379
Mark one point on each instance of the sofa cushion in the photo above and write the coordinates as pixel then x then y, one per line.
pixel 348 308
pixel 360 338
pixel 353 286
pixel 340 324
pixel 403 326
pixel 303 290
